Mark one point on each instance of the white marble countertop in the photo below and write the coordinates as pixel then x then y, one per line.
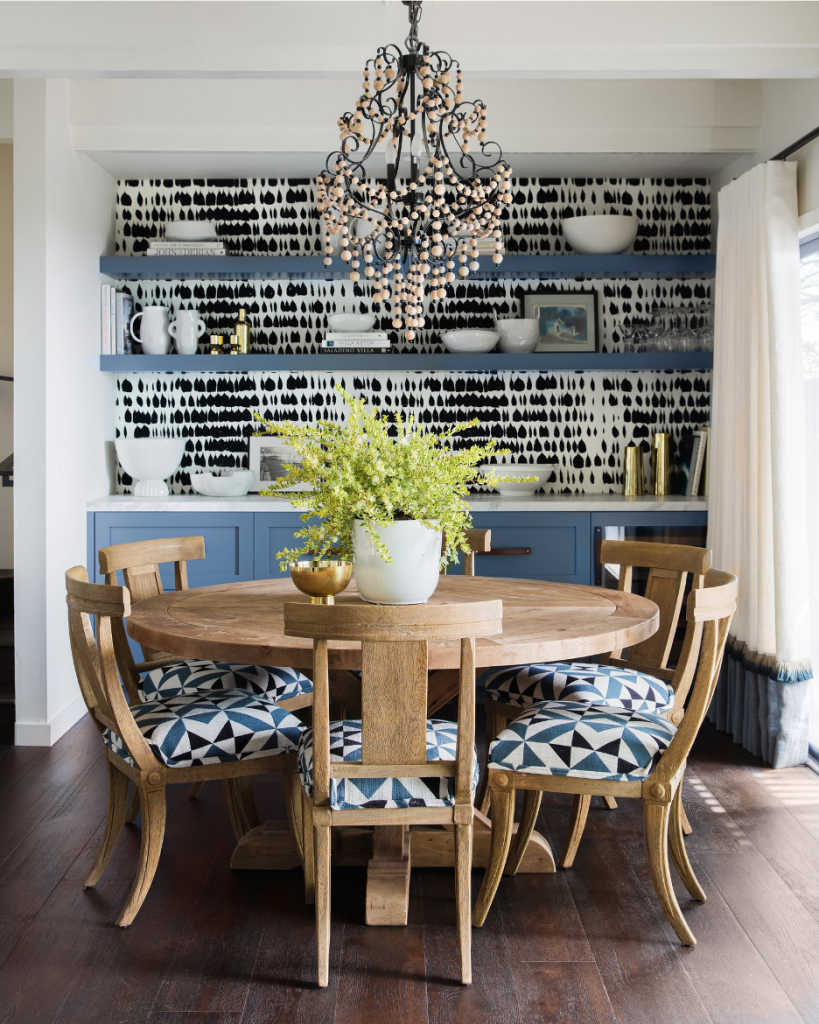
pixel 478 502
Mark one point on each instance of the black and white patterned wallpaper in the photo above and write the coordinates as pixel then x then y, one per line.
pixel 581 420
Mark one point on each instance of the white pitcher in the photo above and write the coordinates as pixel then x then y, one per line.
pixel 186 331
pixel 154 336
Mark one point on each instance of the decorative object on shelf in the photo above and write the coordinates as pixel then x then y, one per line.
pixel 413 102
pixel 469 341
pixel 242 329
pixel 233 344
pixel 154 336
pixel 567 320
pixel 269 459
pixel 149 461
pixel 600 234
pixel 355 341
pixel 660 464
pixel 695 474
pixel 190 231
pixel 186 331
pixel 158 248
pixel 517 335
pixel 349 323
pixel 217 344
pixel 321 580
pixel 232 484
pixel 377 482
pixel 520 479
pixel 670 329
pixel 633 477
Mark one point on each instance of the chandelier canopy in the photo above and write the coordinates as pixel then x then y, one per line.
pixel 446 184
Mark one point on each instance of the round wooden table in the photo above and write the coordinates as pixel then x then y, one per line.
pixel 244 622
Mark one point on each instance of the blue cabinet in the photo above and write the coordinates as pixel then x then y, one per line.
pixel 273 532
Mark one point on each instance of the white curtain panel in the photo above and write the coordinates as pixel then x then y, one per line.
pixel 757 524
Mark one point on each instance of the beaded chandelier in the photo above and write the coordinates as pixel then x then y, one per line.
pixel 446 184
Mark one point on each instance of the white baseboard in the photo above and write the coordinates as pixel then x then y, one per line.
pixel 46 734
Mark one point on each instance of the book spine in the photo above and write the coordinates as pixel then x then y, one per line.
pixel 106 320
pixel 127 313
pixel 695 472
pixel 118 323
pixel 376 346
pixel 362 337
pixel 354 349
pixel 185 251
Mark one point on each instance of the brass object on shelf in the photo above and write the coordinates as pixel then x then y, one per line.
pixel 217 344
pixel 633 484
pixel 242 330
pixel 321 581
pixel 235 345
pixel 660 466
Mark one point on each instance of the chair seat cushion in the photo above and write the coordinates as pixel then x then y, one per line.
pixel 193 677
pixel 583 741
pixel 524 685
pixel 231 725
pixel 352 794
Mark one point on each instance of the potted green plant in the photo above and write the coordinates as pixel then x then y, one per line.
pixel 384 492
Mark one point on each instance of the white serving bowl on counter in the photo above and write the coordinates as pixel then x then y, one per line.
pixel 603 234
pixel 233 484
pixel 470 341
pixel 149 461
pixel 518 335
pixel 347 323
pixel 518 487
pixel 190 231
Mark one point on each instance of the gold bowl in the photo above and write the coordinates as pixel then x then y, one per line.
pixel 321 581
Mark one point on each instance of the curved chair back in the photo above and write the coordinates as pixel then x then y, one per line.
pixel 394 664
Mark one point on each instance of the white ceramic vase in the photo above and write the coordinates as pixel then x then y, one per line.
pixel 412 575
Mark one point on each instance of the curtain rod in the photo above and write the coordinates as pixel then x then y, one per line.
pixel 790 150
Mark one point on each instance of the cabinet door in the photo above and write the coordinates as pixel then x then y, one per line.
pixel 552 546
pixel 228 542
pixel 273 533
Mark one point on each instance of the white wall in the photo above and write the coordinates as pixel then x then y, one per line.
pixel 63 206
pixel 6 349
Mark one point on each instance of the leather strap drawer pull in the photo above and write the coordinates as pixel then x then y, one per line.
pixel 506 551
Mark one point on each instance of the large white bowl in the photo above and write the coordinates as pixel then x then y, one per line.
pixel 230 485
pixel 518 335
pixel 470 341
pixel 604 233
pixel 190 231
pixel 149 461
pixel 349 322
pixel 542 471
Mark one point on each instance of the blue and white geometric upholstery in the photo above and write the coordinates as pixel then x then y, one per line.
pixel 583 741
pixel 587 683
pixel 230 725
pixel 201 676
pixel 352 794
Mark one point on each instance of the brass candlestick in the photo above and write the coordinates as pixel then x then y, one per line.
pixel 321 581
pixel 660 462
pixel 633 483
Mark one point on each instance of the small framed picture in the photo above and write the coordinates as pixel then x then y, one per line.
pixel 268 457
pixel 568 320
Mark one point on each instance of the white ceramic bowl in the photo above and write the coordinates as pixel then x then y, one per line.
pixel 347 322
pixel 518 487
pixel 149 461
pixel 605 233
pixel 470 341
pixel 518 335
pixel 190 231
pixel 229 485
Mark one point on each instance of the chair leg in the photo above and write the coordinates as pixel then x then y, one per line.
pixel 153 832
pixel 293 808
pixel 321 836
pixel 241 805
pixel 133 805
pixel 526 826
pixel 685 824
pixel 463 898
pixel 309 849
pixel 193 792
pixel 610 802
pixel 503 818
pixel 496 722
pixel 656 820
pixel 676 847
pixel 577 823
pixel 114 820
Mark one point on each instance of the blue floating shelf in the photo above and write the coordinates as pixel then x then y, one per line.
pixel 478 363
pixel 133 268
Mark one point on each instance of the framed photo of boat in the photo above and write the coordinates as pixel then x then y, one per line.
pixel 568 320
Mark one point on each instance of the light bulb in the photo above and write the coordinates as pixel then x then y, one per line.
pixel 390 154
pixel 417 147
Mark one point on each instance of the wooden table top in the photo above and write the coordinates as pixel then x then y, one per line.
pixel 243 623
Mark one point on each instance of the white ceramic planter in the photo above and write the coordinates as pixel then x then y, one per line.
pixel 412 575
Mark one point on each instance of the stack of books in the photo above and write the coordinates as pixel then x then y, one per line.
pixel 116 309
pixel 356 341
pixel 161 247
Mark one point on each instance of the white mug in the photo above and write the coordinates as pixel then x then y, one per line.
pixel 154 336
pixel 186 331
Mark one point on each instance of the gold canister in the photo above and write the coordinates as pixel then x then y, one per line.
pixel 633 472
pixel 242 330
pixel 217 344
pixel 660 445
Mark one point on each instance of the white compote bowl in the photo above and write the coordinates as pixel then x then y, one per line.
pixel 601 234
pixel 149 461
pixel 470 341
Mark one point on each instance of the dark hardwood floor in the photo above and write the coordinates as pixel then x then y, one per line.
pixel 587 946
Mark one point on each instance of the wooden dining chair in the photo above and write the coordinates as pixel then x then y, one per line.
pixel 561 747
pixel 393 767
pixel 230 735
